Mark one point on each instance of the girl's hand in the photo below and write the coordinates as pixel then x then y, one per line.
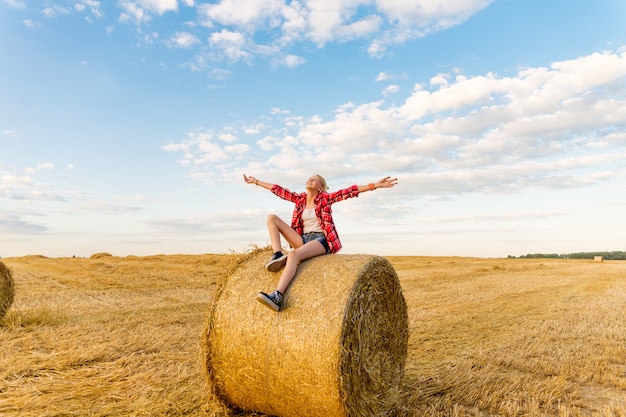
pixel 386 182
pixel 250 180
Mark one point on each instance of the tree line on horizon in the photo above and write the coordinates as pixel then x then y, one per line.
pixel 608 256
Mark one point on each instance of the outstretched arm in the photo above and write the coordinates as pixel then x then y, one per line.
pixel 386 182
pixel 253 180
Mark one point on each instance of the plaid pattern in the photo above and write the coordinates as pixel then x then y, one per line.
pixel 324 213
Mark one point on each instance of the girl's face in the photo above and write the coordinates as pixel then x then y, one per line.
pixel 314 183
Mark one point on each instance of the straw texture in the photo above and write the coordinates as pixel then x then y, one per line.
pixel 338 348
pixel 7 289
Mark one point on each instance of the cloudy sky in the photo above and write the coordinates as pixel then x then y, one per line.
pixel 126 126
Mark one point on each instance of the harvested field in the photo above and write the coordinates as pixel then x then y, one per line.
pixel 488 337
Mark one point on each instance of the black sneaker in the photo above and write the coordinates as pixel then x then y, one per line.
pixel 276 262
pixel 273 300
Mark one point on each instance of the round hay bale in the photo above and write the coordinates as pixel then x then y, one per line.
pixel 7 289
pixel 100 255
pixel 338 347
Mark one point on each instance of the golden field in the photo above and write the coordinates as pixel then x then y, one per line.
pixel 110 336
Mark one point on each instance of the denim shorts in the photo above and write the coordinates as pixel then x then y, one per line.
pixel 319 236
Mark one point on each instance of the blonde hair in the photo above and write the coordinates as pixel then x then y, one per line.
pixel 322 181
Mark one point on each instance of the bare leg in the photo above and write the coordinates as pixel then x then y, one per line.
pixel 306 251
pixel 277 227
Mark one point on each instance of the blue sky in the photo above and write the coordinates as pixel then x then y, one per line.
pixel 126 126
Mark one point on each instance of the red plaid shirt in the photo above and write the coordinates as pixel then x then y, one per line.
pixel 322 202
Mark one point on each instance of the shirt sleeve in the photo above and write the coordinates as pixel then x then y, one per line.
pixel 284 193
pixel 343 194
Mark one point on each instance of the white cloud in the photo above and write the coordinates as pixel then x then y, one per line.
pixel 230 44
pixel 133 13
pixel 12 223
pixel 159 6
pixel 384 76
pixel 23 188
pixel 410 20
pixel 43 166
pixel 39 167
pixel 391 89
pixel 560 126
pixel 210 152
pixel 355 128
pixel 377 49
pixel 290 61
pixel 49 12
pixel 273 26
pixel 150 38
pixel 56 10
pixel 294 23
pixel 241 14
pixel 16 4
pixel 183 40
pixel 13 181
pixel 140 11
pixel 203 148
pixel 440 80
pixel 227 137
pixel 276 110
pixel 238 149
pixel 428 12
pixel 338 20
pixel 10 133
pixel 91 5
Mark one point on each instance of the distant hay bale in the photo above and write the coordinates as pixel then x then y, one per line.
pixel 7 289
pixel 100 255
pixel 338 348
pixel 35 257
pixel 598 258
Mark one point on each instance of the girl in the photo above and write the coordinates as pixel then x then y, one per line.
pixel 312 231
